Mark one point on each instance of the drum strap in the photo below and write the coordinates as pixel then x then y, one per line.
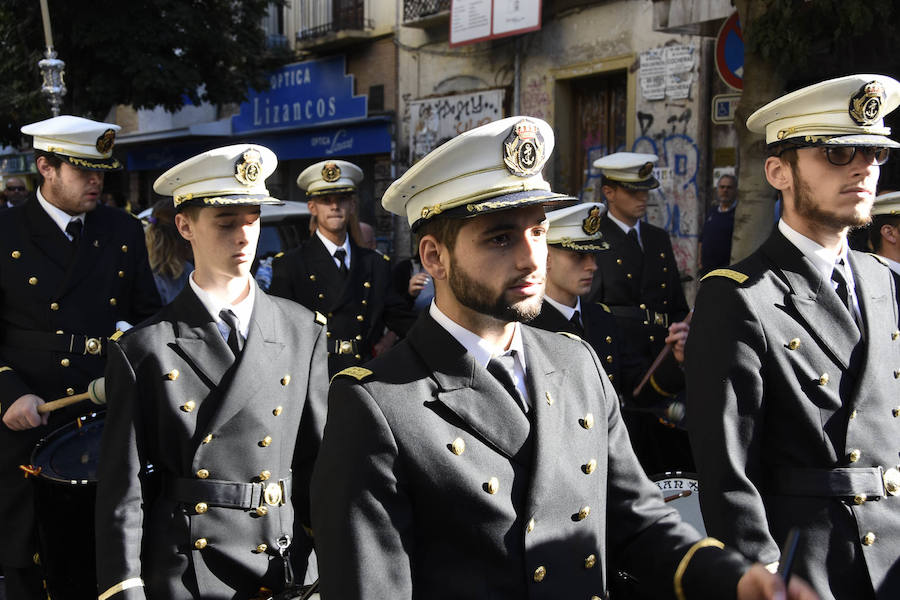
pixel 838 482
pixel 227 494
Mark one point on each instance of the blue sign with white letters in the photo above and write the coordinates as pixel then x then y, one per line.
pixel 302 95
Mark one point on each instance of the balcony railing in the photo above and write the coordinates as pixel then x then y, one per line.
pixel 414 10
pixel 322 17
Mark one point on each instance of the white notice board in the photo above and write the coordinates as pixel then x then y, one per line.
pixel 478 20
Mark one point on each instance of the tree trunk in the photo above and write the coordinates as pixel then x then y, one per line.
pixel 754 216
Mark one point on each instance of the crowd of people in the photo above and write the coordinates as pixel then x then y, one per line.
pixel 484 420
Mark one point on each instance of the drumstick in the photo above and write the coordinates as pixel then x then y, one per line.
pixel 96 393
pixel 658 361
pixel 683 494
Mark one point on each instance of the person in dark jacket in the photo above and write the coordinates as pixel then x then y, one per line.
pixel 72 273
pixel 793 362
pixel 331 273
pixel 481 457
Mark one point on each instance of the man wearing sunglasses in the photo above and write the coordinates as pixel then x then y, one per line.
pixel 15 192
pixel 793 363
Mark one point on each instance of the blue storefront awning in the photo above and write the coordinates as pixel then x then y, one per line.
pixel 368 136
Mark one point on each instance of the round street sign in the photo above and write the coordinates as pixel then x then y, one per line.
pixel 730 52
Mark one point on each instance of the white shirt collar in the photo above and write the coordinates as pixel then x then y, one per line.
pixel 331 247
pixel 567 311
pixel 474 344
pixel 59 216
pixel 242 310
pixel 893 264
pixel 625 227
pixel 822 258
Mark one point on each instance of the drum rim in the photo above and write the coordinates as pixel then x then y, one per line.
pixel 57 434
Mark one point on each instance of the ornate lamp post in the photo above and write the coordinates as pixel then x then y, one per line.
pixel 52 69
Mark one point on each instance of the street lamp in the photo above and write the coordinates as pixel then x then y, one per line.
pixel 52 69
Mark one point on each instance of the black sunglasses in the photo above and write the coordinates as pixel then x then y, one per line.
pixel 843 155
pixel 15 188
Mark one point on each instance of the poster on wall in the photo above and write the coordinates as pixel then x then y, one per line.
pixel 479 20
pixel 667 72
pixel 434 120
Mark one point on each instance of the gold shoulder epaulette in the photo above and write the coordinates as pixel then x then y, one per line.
pixel 115 337
pixel 603 306
pixel 5 369
pixel 358 373
pixel 729 273
pixel 569 335
pixel 879 258
pixel 320 319
pixel 279 255
pixel 386 257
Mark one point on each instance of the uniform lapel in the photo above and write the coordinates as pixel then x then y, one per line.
pixel 545 386
pixel 470 392
pixel 816 303
pixel 90 248
pixel 873 291
pixel 258 361
pixel 321 263
pixel 353 276
pixel 198 340
pixel 46 235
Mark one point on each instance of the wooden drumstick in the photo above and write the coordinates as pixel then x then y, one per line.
pixel 96 393
pixel 658 361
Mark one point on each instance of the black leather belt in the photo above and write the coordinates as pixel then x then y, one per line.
pixel 55 342
pixel 647 316
pixel 849 482
pixel 228 494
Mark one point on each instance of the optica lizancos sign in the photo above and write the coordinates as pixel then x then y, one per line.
pixel 302 94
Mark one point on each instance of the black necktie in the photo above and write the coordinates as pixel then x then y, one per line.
pixel 843 292
pixel 74 230
pixel 340 254
pixel 576 321
pixel 633 236
pixel 235 341
pixel 502 368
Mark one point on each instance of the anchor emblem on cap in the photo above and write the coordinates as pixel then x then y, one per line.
pixel 524 149
pixel 865 105
pixel 105 141
pixel 247 169
pixel 331 172
pixel 591 223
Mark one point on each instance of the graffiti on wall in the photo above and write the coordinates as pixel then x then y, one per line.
pixel 677 200
pixel 433 120
pixel 535 97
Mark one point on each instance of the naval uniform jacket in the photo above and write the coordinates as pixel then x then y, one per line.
pixel 599 329
pixel 53 299
pixel 784 398
pixel 433 483
pixel 643 292
pixel 358 307
pixel 210 427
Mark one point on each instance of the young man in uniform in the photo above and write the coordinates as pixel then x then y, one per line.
pixel 331 273
pixel 71 274
pixel 573 237
pixel 482 458
pixel 223 393
pixel 638 281
pixel 884 231
pixel 793 363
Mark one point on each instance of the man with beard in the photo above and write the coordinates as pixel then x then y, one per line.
pixel 72 273
pixel 793 362
pixel 333 274
pixel 482 458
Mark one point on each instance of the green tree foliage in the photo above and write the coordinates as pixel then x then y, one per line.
pixel 142 53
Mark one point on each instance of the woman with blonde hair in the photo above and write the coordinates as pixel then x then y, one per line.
pixel 169 253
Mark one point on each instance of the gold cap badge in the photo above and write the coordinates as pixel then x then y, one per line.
pixel 865 105
pixel 105 141
pixel 591 223
pixel 248 167
pixel 331 172
pixel 645 170
pixel 524 149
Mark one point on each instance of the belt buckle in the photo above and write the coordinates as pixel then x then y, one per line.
pixel 661 319
pixel 274 494
pixel 891 478
pixel 344 347
pixel 93 346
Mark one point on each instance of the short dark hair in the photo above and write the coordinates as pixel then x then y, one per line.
pixel 604 180
pixel 443 229
pixel 52 159
pixel 878 221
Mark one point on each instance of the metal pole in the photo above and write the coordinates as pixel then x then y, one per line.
pixel 52 69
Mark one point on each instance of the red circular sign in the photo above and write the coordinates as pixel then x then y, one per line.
pixel 730 52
